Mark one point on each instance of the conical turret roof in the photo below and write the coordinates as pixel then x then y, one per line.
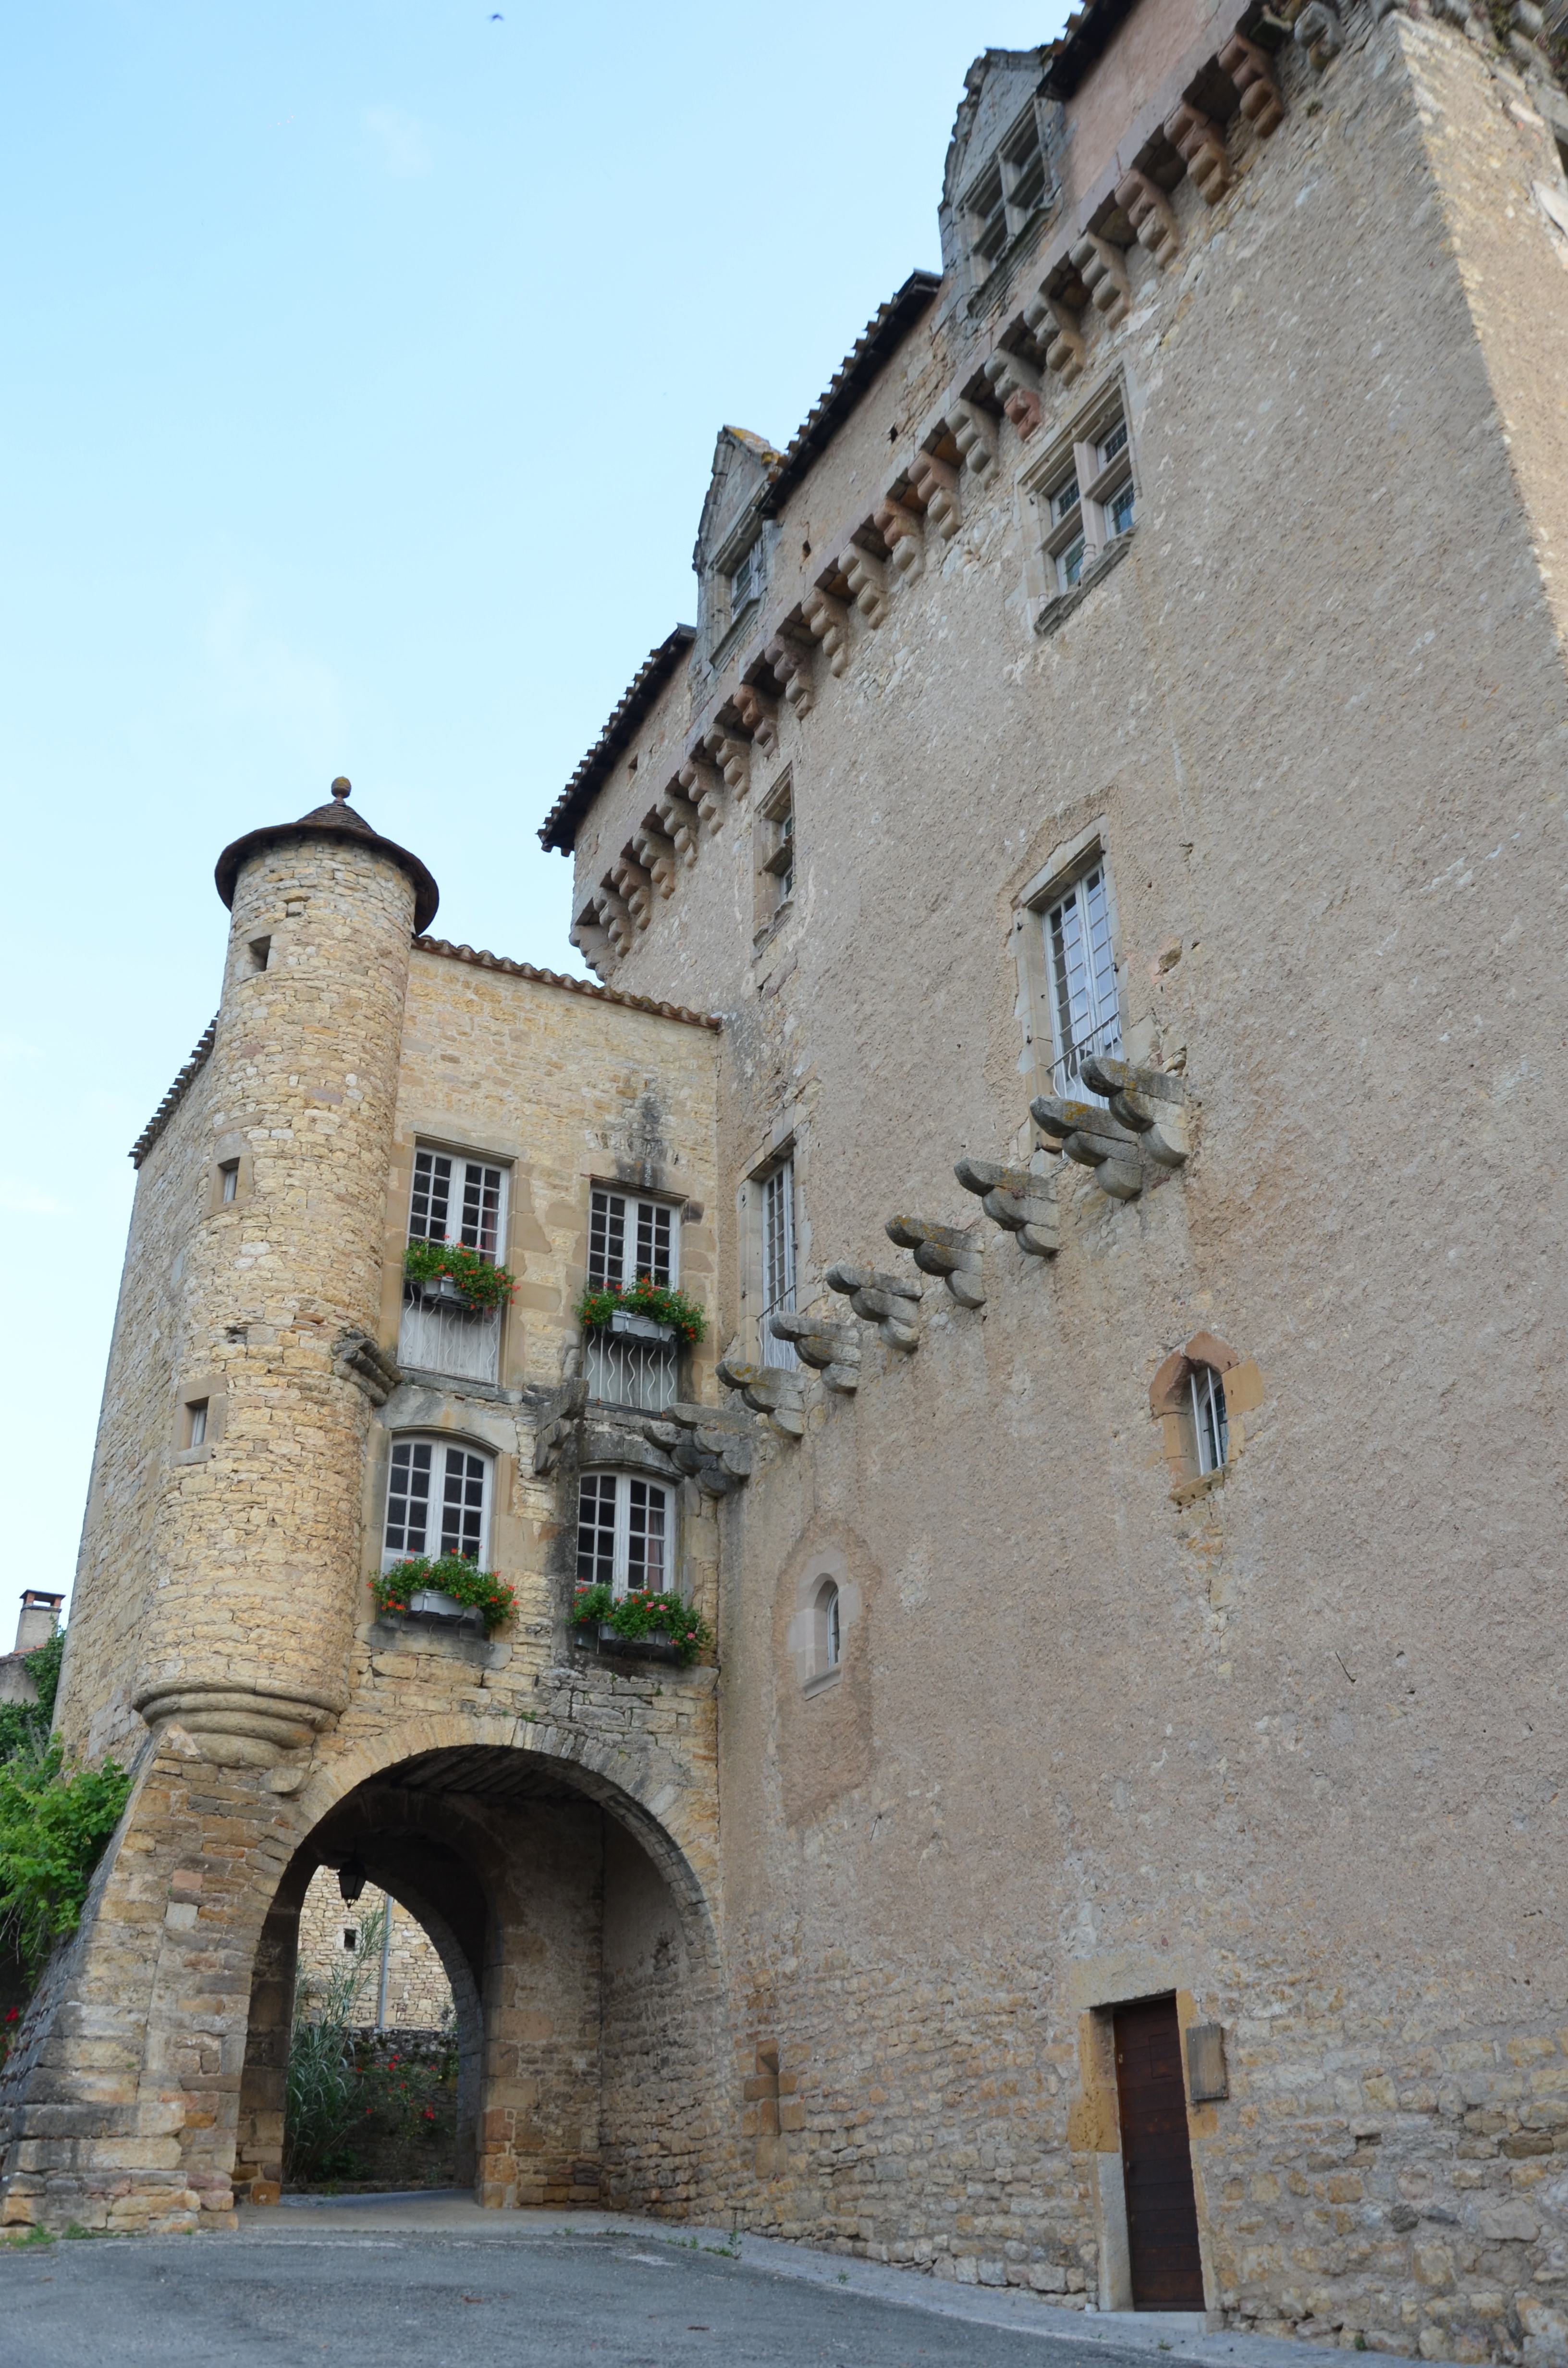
pixel 338 820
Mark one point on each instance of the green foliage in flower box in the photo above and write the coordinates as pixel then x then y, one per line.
pixel 481 1282
pixel 454 1575
pixel 654 1300
pixel 645 1614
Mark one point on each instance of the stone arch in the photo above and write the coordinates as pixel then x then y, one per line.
pixel 579 1941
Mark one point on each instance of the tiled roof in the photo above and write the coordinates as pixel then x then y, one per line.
pixel 560 825
pixel 571 985
pixel 175 1095
pixel 1088 31
pixel 854 374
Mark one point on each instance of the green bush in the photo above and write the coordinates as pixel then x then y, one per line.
pixel 480 1280
pixel 54 1822
pixel 645 1614
pixel 322 2099
pixel 454 1575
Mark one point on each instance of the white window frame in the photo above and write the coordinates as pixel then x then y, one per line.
pixel 827 1629
pixel 1077 921
pixel 1087 491
pixel 403 1460
pixel 639 1219
pixel 634 1497
pixel 467 1177
pixel 1211 1422
pixel 775 1242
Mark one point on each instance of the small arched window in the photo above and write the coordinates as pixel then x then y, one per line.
pixel 625 1532
pixel 828 1625
pixel 438 1494
pixel 1196 1396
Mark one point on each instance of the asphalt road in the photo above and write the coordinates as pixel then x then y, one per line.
pixel 424 2300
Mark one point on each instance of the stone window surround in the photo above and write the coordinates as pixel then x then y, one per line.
pixel 999 159
pixel 829 1567
pixel 682 1211
pixel 1092 421
pixel 229 1151
pixel 449 1426
pixel 400 1201
pixel 620 1585
pixel 199 1389
pixel 1066 864
pixel 782 1144
pixel 749 533
pixel 1170 1405
pixel 424 1142
pixel 767 844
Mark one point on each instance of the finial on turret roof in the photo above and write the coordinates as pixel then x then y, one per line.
pixel 342 786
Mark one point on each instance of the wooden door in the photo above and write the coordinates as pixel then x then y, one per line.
pixel 1156 2159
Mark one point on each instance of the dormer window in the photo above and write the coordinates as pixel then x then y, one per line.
pixel 745 580
pixel 1008 193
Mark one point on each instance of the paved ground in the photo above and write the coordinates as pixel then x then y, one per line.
pixel 428 2283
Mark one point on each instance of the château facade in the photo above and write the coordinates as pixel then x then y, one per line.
pixel 1077 925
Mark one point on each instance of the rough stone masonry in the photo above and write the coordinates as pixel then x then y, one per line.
pixel 1082 1012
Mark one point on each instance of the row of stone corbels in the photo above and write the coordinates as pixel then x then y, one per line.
pixel 714 1446
pixel 1086 280
pixel 1148 1122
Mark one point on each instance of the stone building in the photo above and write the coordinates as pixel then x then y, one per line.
pixel 1077 918
pixel 361 1936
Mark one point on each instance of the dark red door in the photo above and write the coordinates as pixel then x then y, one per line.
pixel 1156 2159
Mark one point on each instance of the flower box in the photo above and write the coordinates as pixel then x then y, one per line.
pixel 654 1647
pixel 640 1328
pixel 439 1610
pixel 437 1289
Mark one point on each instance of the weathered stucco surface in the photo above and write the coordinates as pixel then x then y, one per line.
pixel 1282 1742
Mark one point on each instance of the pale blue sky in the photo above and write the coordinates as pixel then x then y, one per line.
pixel 365 364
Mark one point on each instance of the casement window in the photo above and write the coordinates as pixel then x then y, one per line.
pixel 228 1180
pixel 1210 1427
pixel 196 1421
pixel 1080 969
pixel 745 580
pixel 459 1199
pixel 1012 187
pixel 1089 501
pixel 625 1532
pixel 632 1240
pixel 438 1501
pixel 777 1194
pixel 775 853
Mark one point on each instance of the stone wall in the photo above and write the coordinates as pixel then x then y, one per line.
pixel 419 1996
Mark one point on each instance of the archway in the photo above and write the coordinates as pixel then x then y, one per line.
pixel 583 1967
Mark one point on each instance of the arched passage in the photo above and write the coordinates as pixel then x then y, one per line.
pixel 583 1964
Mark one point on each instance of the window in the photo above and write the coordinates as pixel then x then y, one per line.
pixel 828 1625
pixel 1081 980
pixel 260 952
pixel 630 1240
pixel 745 580
pixel 1012 189
pixel 1209 1427
pixel 775 853
pixel 196 1422
pixel 625 1534
pixel 1089 501
pixel 438 1501
pixel 228 1179
pixel 458 1200
pixel 778 1188
pixel 351 1937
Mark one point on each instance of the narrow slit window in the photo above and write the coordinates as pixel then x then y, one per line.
pixel 1081 969
pixel 777 1191
pixel 230 1174
pixel 196 1422
pixel 1210 1427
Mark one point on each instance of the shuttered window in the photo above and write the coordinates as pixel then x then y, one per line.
pixel 438 1501
pixel 1080 971
pixel 458 1200
pixel 625 1532
pixel 630 1240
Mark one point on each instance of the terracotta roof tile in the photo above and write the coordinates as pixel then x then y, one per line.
pixel 560 825
pixel 175 1095
pixel 849 382
pixel 481 961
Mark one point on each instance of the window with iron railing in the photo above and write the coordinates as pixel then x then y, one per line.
pixel 453 1199
pixel 631 1361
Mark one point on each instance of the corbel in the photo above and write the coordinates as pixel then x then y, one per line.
pixel 592 940
pixel 1319 32
pixel 1091 1137
pixel 1250 70
pixel 863 572
pixel 634 886
pixel 1148 209
pixel 700 782
pixel 679 817
pixel 935 485
pixel 827 620
pixel 1054 325
pixel 615 915
pixel 1154 1104
pixel 950 1251
pixel 758 715
pixel 889 1301
pixel 1103 270
pixel 731 754
pixel 974 436
pixel 833 1349
pixel 655 852
pixel 1201 143
pixel 790 657
pixel 1018 1200
pixel 900 526
pixel 1016 385
pixel 364 1362
pixel 774 1389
